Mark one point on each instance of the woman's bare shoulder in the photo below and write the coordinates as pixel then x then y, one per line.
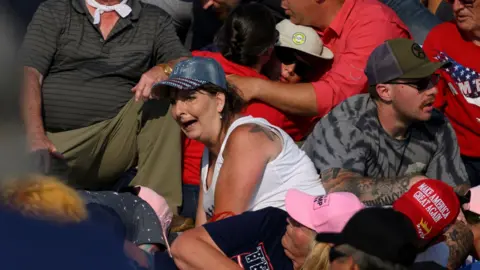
pixel 254 136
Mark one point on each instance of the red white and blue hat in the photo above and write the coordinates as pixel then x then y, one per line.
pixel 191 74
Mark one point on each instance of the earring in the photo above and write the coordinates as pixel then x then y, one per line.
pixel 221 117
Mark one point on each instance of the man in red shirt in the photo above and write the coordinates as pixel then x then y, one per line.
pixel 351 29
pixel 459 91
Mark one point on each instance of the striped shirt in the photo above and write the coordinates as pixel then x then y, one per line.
pixel 87 78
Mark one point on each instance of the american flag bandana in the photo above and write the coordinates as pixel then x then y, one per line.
pixel 467 80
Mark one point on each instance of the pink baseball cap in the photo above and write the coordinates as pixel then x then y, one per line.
pixel 160 206
pixel 474 204
pixel 324 213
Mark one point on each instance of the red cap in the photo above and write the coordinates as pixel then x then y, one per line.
pixel 431 205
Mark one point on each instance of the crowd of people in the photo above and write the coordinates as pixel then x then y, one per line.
pixel 261 134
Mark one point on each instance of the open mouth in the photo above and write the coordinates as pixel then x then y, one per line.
pixel 186 125
pixel 428 105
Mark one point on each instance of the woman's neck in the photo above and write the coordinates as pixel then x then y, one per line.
pixel 215 144
pixel 214 147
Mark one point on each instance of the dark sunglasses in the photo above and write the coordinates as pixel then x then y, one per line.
pixel 420 84
pixel 463 2
pixel 334 254
pixel 289 58
pixel 286 57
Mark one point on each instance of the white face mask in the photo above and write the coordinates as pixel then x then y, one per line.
pixel 122 9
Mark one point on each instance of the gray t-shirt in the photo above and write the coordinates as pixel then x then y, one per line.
pixel 351 137
pixel 141 223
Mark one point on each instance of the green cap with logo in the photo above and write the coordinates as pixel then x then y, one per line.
pixel 399 58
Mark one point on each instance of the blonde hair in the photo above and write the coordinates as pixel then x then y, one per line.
pixel 318 258
pixel 43 197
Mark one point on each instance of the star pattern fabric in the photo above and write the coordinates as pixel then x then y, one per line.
pixel 467 79
pixel 140 220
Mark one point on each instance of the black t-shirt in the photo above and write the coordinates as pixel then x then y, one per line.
pixel 253 239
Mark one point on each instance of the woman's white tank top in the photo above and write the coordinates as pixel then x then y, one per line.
pixel 290 169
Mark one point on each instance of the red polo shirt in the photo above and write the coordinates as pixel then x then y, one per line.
pixel 358 28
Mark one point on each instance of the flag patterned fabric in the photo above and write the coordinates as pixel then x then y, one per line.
pixel 467 80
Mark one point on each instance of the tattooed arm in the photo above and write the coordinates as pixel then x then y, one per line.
pixel 459 239
pixel 248 150
pixel 371 191
pixel 462 189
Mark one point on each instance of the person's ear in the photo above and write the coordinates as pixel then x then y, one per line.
pixel 385 92
pixel 220 99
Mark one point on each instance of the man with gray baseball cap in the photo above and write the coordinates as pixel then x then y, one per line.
pixel 377 145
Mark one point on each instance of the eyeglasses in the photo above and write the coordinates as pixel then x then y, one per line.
pixel 466 3
pixel 420 84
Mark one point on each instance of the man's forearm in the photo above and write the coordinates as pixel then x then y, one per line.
pixel 32 101
pixel 371 191
pixel 297 99
pixel 462 189
pixel 459 239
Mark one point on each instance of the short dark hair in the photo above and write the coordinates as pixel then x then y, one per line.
pixel 247 33
pixel 372 90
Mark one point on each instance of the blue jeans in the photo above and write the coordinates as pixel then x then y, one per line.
pixel 190 201
pixel 417 17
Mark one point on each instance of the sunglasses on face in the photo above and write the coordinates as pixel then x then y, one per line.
pixel 289 58
pixel 420 84
pixel 466 3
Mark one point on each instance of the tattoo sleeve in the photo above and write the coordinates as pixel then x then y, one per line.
pixel 371 191
pixel 462 189
pixel 459 239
